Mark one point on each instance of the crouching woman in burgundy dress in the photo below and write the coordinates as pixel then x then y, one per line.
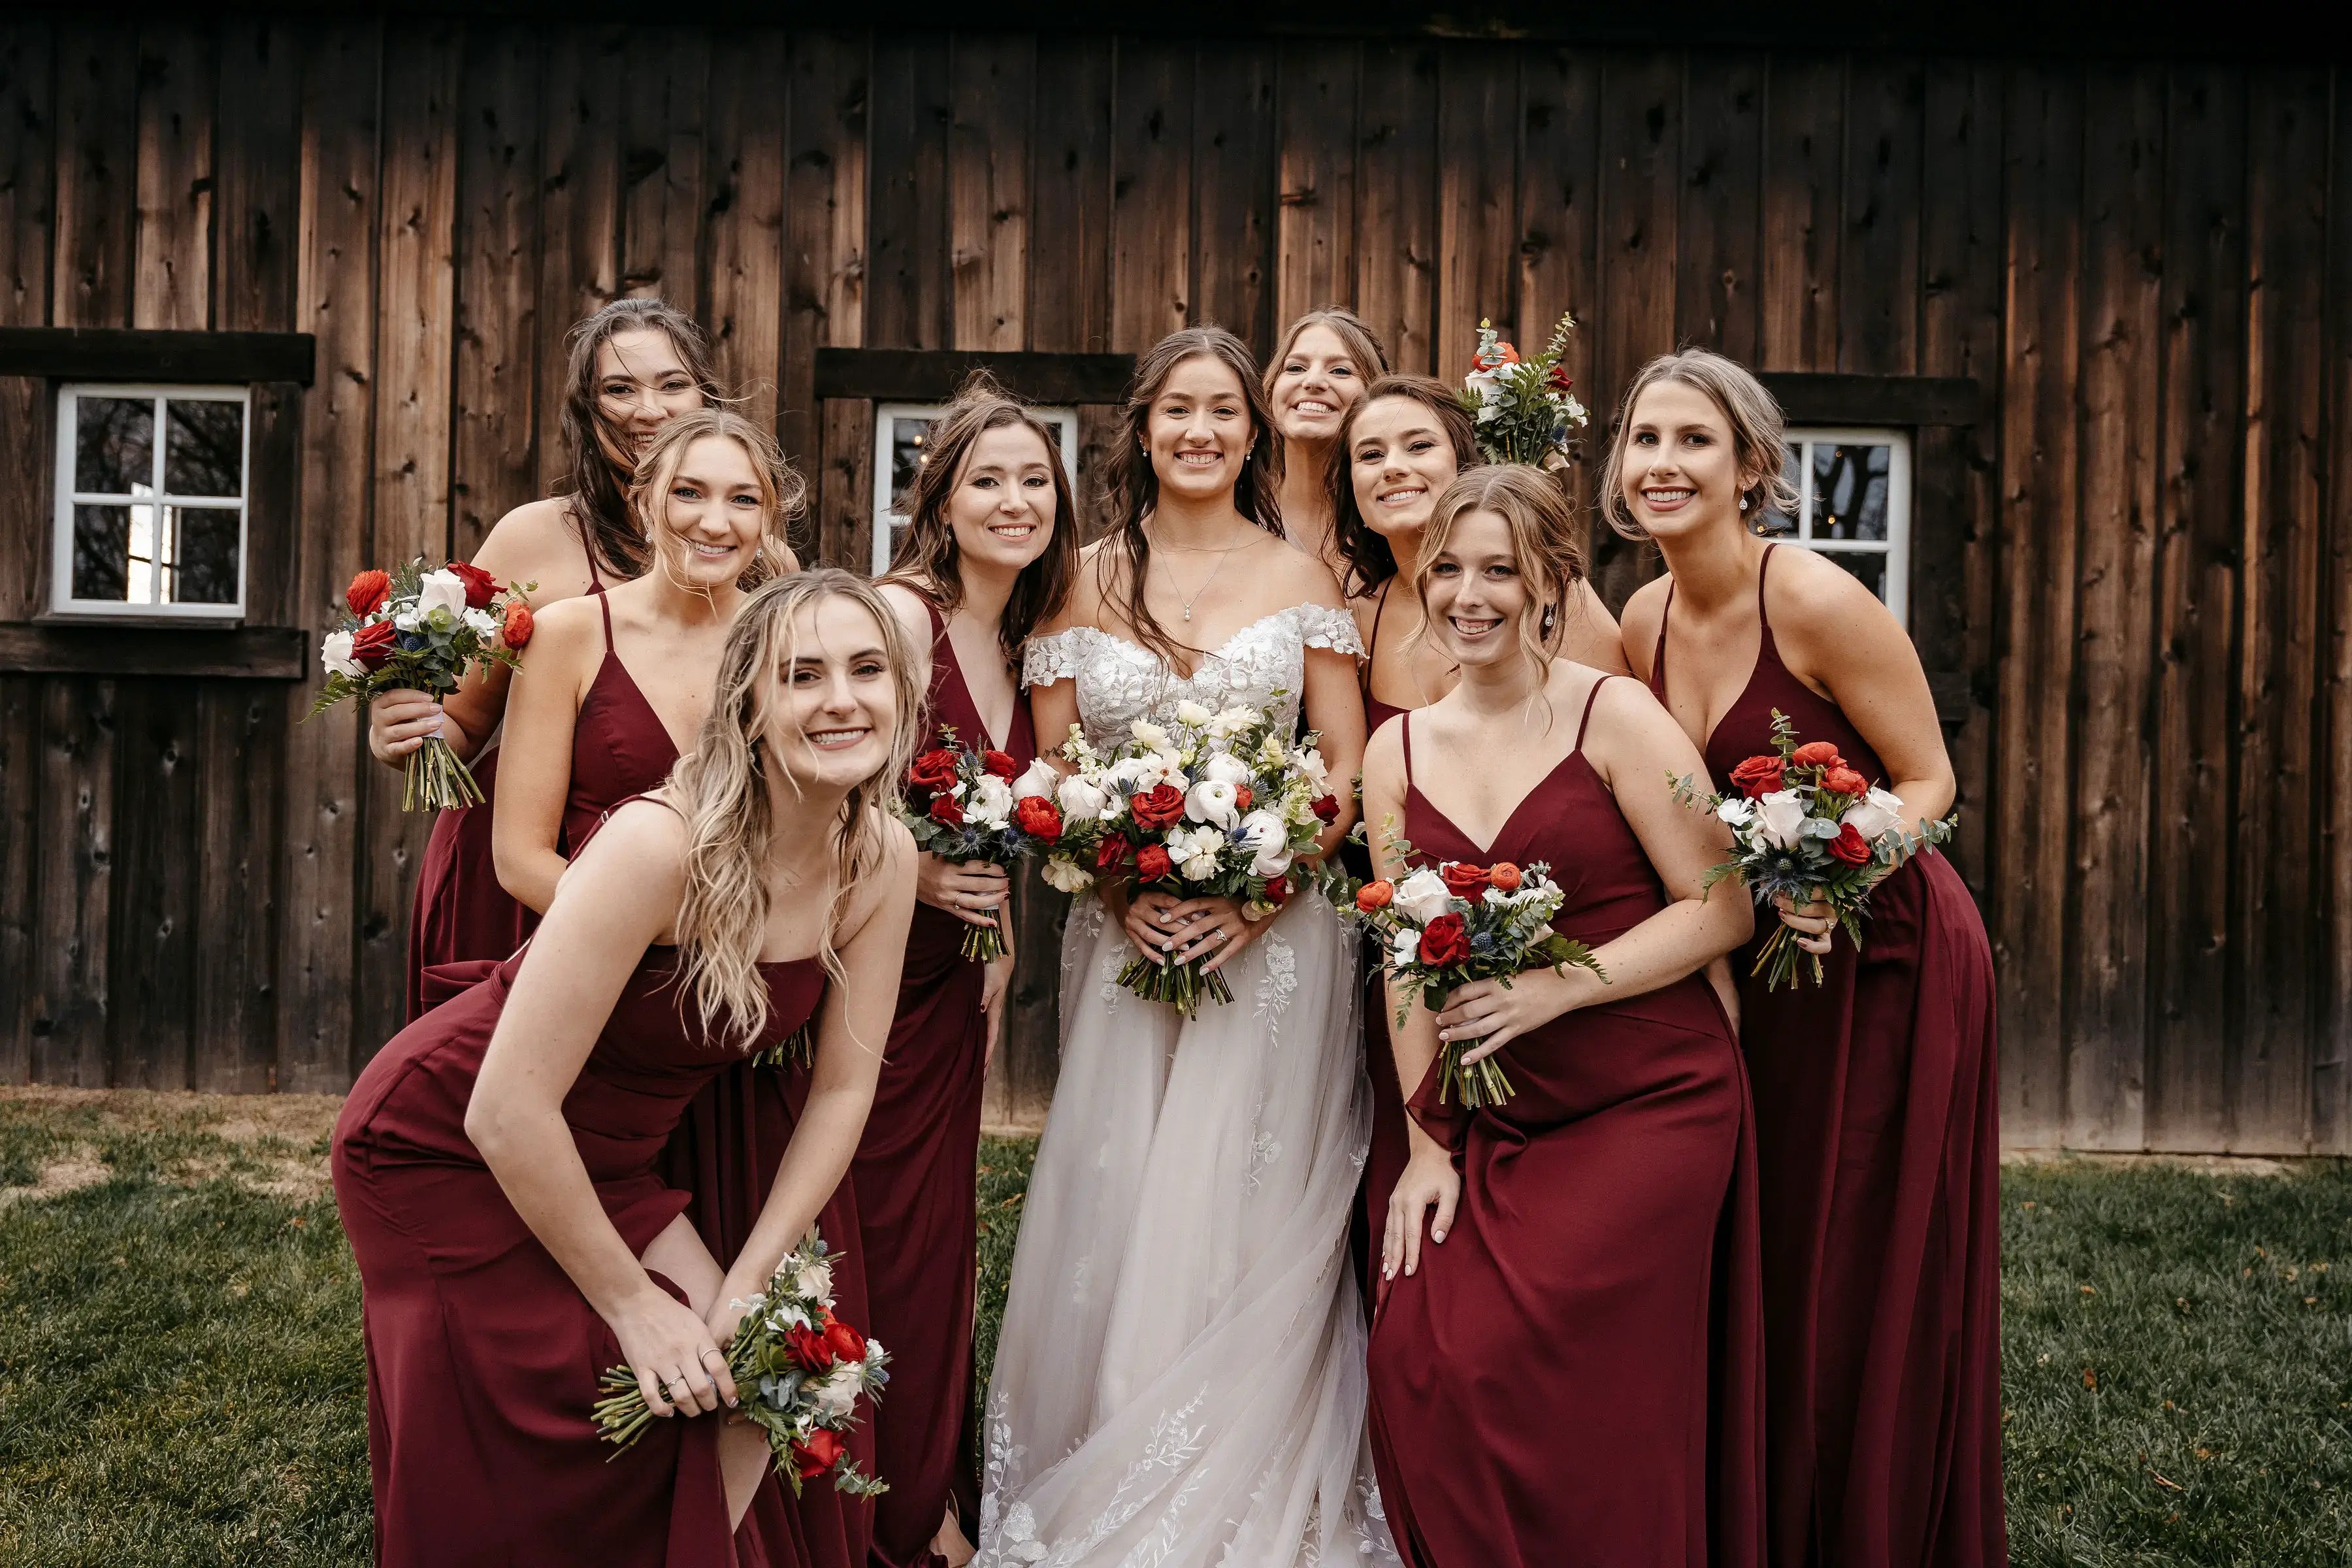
pixel 1567 1368
pixel 496 1164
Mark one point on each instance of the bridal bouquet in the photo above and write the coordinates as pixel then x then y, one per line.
pixel 798 1370
pixel 423 630
pixel 963 804
pixel 1209 804
pixel 1442 929
pixel 1526 408
pixel 1805 824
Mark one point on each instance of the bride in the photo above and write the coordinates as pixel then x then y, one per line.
pixel 1180 1376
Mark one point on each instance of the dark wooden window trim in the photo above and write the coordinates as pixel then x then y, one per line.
pixel 1810 398
pixel 256 653
pixel 932 375
pixel 115 354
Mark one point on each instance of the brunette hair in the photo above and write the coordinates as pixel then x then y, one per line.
pixel 1371 560
pixel 1546 540
pixel 1358 339
pixel 720 788
pixel 1757 442
pixel 1133 487
pixel 783 492
pixel 926 559
pixel 601 462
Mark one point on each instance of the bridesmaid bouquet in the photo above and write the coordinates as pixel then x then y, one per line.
pixel 1209 804
pixel 1442 929
pixel 1805 824
pixel 423 630
pixel 1526 409
pixel 798 1369
pixel 963 804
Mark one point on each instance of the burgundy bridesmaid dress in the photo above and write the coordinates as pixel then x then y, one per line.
pixel 1385 1156
pixel 1879 1144
pixel 1575 1374
pixel 482 1355
pixel 914 1177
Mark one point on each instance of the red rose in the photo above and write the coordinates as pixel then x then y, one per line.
pixel 1241 797
pixel 1163 807
pixel 515 633
pixel 1277 893
pixel 1036 816
pixel 368 591
pixel 1111 853
pixel 934 770
pixel 1559 379
pixel 1151 863
pixel 372 645
pixel 997 763
pixel 1817 755
pixel 948 809
pixel 810 1347
pixel 1442 942
pixel 1327 807
pixel 846 1342
pixel 819 1454
pixel 1845 781
pixel 1465 881
pixel 1850 846
pixel 1504 876
pixel 1373 897
pixel 480 586
pixel 1756 776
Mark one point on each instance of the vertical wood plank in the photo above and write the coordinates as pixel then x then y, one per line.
pixel 661 166
pixel 336 299
pixel 96 176
pixel 749 121
pixel 1641 158
pixel 2332 1063
pixel 580 212
pixel 2275 919
pixel 2197 632
pixel 1559 207
pixel 1804 145
pixel 1234 196
pixel 2106 1035
pixel 1396 214
pixel 256 246
pixel 177 80
pixel 1070 244
pixel 1151 194
pixel 845 485
pixel 494 466
pixel 1879 253
pixel 1478 176
pixel 2038 457
pixel 824 301
pixel 1717 225
pixel 994 86
pixel 909 298
pixel 240 767
pixel 1315 235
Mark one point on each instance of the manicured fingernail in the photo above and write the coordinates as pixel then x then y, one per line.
pixel 1437 1235
pixel 731 1403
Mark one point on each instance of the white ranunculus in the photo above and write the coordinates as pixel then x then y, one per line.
pixel 1150 734
pixel 1081 800
pixel 1738 811
pixel 1407 946
pixel 1782 818
pixel 1265 835
pixel 991 804
pixel 1193 713
pixel 441 590
pixel 1423 896
pixel 1039 779
pixel 1065 877
pixel 1226 768
pixel 1212 801
pixel 1873 814
pixel 335 653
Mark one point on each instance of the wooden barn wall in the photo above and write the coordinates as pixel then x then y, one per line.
pixel 2135 565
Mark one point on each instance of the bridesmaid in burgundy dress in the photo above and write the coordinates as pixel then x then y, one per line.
pixel 497 1163
pixel 1401 447
pixel 1569 1368
pixel 634 364
pixel 1877 1131
pixel 991 543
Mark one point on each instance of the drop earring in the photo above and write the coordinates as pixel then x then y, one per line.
pixel 1743 503
pixel 1550 619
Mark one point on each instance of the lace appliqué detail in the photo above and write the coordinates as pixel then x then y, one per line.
pixel 1169 1451
pixel 1263 664
pixel 1276 986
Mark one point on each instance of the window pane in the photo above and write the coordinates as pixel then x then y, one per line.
pixel 102 552
pixel 114 445
pixel 1850 491
pixel 907 440
pixel 1869 565
pixel 204 571
pixel 203 449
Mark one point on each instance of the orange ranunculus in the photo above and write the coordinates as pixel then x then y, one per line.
pixel 368 591
pixel 1817 755
pixel 1504 876
pixel 1373 896
pixel 1845 781
pixel 515 633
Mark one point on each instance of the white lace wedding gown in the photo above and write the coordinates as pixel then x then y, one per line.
pixel 1180 1376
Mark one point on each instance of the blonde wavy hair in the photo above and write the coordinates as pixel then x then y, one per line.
pixel 1547 543
pixel 1758 434
pixel 722 789
pixel 784 494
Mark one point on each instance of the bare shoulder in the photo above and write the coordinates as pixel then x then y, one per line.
pixel 913 610
pixel 565 631
pixel 1645 612
pixel 1300 577
pixel 1090 586
pixel 894 876
pixel 1629 724
pixel 538 542
pixel 1384 753
pixel 1823 613
pixel 641 847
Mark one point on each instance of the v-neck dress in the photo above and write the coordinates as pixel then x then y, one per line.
pixel 1878 1145
pixel 915 1188
pixel 1575 1374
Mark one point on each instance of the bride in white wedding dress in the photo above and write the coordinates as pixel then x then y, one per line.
pixel 1180 1380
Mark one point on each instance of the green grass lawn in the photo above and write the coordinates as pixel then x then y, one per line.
pixel 181 1379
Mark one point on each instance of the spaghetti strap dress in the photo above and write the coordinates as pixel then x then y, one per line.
pixel 1385 1155
pixel 914 1180
pixel 1878 1145
pixel 1575 1375
pixel 460 911
pixel 482 1355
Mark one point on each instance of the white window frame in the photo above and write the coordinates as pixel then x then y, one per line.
pixel 1896 545
pixel 61 555
pixel 886 415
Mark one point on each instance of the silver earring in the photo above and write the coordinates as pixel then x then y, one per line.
pixel 1550 619
pixel 1743 503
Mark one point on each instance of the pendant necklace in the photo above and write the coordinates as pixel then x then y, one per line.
pixel 1212 577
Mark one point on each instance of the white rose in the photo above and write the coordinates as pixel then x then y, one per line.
pixel 1407 948
pixel 1782 818
pixel 1038 780
pixel 1213 801
pixel 1064 877
pixel 335 653
pixel 440 591
pixel 1150 734
pixel 1226 768
pixel 991 804
pixel 1081 800
pixel 1191 712
pixel 1423 896
pixel 1266 837
pixel 837 1394
pixel 813 1280
pixel 1873 814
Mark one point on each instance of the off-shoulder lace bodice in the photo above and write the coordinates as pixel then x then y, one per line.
pixel 1120 681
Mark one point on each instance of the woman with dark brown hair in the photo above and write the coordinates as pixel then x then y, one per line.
pixel 1328 358
pixel 990 548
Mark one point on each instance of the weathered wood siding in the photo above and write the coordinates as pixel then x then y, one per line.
pixel 2135 565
